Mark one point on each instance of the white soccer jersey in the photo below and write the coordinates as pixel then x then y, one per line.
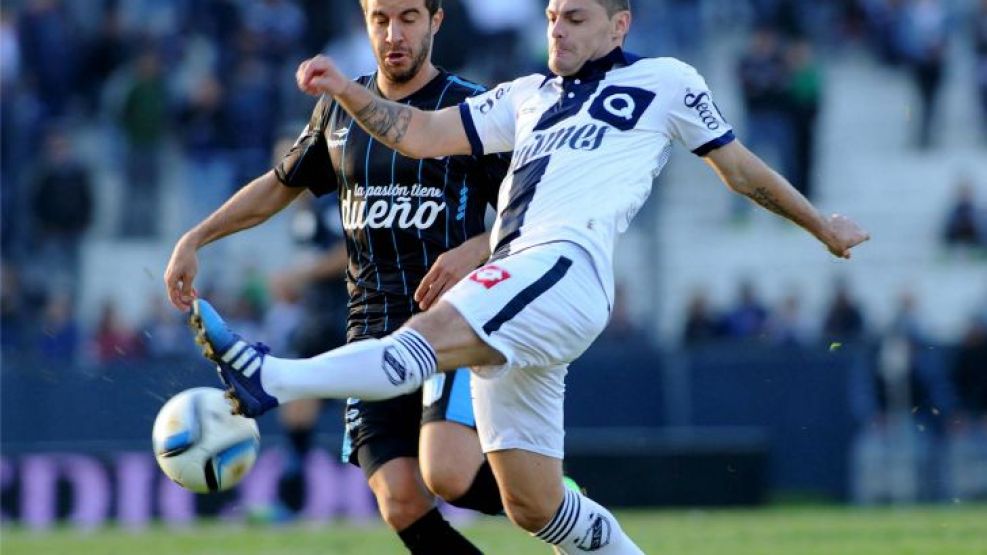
pixel 587 148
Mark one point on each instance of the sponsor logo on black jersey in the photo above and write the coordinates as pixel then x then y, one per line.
pixel 389 206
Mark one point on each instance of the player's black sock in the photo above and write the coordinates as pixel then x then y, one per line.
pixel 483 495
pixel 292 484
pixel 433 535
pixel 301 441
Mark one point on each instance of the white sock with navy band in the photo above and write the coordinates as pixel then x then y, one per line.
pixel 581 525
pixel 370 370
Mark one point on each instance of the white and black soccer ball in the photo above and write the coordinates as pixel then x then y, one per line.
pixel 200 445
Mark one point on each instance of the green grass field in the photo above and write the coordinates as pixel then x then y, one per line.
pixel 960 530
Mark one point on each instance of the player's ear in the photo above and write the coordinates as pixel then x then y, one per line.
pixel 621 24
pixel 437 20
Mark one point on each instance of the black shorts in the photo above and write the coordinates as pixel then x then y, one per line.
pixel 380 431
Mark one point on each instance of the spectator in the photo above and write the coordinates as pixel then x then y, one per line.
pixel 701 325
pixel 788 326
pixel 105 53
pixel 48 45
pixel 966 452
pixel 967 448
pixel 749 318
pixel 764 82
pixel 902 400
pixel 62 205
pixel 253 108
pixel 844 320
pixel 924 45
pixel 970 372
pixel 13 317
pixel 963 220
pixel 980 44
pixel 144 120
pixel 804 92
pixel 59 338
pixel 622 328
pixel 113 340
pixel 886 20
pixel 205 127
pixel 278 24
pixel 165 333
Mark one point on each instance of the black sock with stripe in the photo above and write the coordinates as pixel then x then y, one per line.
pixel 433 535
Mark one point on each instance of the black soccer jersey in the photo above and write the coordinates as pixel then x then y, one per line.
pixel 398 214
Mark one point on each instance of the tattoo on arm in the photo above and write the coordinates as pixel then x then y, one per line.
pixel 387 121
pixel 763 196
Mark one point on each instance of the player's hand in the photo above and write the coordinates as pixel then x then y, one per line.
pixel 450 267
pixel 182 267
pixel 844 234
pixel 319 75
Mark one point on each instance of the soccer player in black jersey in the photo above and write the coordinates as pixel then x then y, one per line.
pixel 413 229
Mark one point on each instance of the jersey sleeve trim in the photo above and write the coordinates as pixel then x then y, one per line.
pixel 716 143
pixel 470 127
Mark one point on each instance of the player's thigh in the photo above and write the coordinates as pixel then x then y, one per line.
pixel 530 485
pixel 539 307
pixel 455 343
pixel 523 408
pixel 449 449
pixel 378 432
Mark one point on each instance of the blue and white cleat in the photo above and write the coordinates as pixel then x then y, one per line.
pixel 239 363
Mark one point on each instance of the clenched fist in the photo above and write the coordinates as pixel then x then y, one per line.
pixel 319 75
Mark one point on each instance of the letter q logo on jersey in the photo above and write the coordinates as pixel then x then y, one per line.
pixel 488 276
pixel 621 107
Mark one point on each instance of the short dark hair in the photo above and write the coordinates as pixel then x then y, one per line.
pixel 431 5
pixel 614 6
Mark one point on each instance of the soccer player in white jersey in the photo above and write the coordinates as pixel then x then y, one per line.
pixel 587 143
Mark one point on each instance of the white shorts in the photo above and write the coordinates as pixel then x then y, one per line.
pixel 541 308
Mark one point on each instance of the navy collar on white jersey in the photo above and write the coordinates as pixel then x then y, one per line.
pixel 596 69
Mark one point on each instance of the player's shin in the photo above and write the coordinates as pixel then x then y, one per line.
pixel 370 370
pixel 582 525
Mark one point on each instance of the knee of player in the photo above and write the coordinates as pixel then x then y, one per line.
pixel 402 513
pixel 527 512
pixel 401 507
pixel 448 481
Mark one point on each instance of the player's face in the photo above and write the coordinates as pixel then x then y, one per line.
pixel 401 33
pixel 579 31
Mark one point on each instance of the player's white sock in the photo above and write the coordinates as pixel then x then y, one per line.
pixel 581 525
pixel 371 370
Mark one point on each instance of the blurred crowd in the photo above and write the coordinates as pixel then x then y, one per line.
pixel 919 407
pixel 101 88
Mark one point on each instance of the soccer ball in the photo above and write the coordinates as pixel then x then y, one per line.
pixel 200 445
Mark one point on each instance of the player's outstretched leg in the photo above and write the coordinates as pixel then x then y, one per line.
pixel 373 369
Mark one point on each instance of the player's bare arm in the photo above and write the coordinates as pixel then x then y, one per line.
pixel 412 132
pixel 250 206
pixel 450 267
pixel 748 175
